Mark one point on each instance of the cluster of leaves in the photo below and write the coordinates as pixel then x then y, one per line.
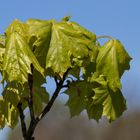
pixel 52 48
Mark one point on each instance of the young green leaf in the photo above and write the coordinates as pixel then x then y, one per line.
pixel 18 58
pixel 40 36
pixel 40 96
pixel 19 27
pixel 94 111
pixel 11 93
pixel 2 118
pixel 69 45
pixel 113 102
pixel 2 51
pixel 11 114
pixel 79 93
pixel 8 114
pixel 112 61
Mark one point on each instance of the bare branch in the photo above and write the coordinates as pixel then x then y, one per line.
pixel 30 98
pixel 55 94
pixel 34 122
pixel 22 117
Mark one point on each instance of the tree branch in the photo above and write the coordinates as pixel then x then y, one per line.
pixel 23 125
pixel 30 104
pixel 104 36
pixel 34 121
pixel 50 103
pixel 59 86
pixel 30 97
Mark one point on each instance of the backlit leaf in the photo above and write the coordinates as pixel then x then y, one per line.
pixel 112 61
pixel 69 45
pixel 94 111
pixel 113 102
pixel 18 58
pixel 17 26
pixel 11 114
pixel 2 118
pixel 11 93
pixel 40 96
pixel 8 114
pixel 79 93
pixel 40 36
pixel 2 50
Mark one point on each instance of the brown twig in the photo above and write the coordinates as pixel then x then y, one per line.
pixel 27 134
pixel 30 97
pixel 22 117
pixel 30 104
pixel 59 86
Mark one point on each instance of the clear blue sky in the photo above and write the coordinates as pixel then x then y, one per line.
pixel 117 18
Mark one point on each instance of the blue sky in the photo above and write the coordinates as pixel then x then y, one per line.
pixel 117 18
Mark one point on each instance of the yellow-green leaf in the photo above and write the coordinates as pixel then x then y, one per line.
pixel 8 114
pixel 2 117
pixel 17 26
pixel 112 61
pixel 40 96
pixel 18 58
pixel 40 36
pixel 11 93
pixel 113 102
pixel 79 93
pixel 69 45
